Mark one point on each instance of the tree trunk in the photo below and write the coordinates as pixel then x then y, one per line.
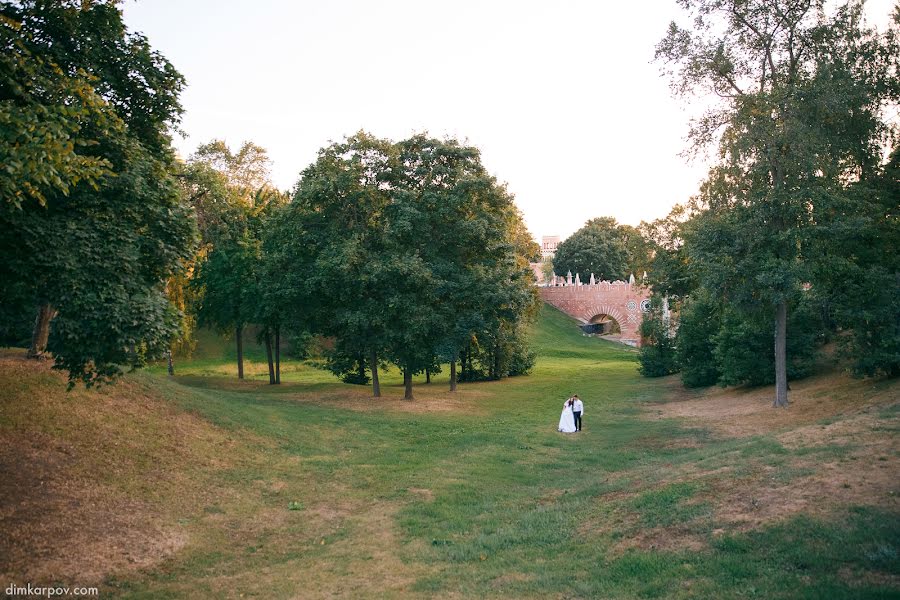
pixel 427 376
pixel 239 339
pixel 453 374
pixel 361 368
pixel 407 384
pixel 278 354
pixel 171 363
pixel 376 387
pixel 269 357
pixel 41 333
pixel 781 387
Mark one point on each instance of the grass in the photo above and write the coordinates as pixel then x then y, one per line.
pixel 322 491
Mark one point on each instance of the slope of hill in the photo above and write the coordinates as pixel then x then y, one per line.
pixel 204 486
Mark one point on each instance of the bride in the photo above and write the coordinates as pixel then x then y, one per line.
pixel 567 419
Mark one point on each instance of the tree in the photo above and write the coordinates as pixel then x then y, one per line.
pixel 246 170
pixel 225 287
pixel 638 250
pixel 44 110
pixel 670 274
pixel 598 248
pixel 798 117
pixel 474 243
pixel 95 256
pixel 234 282
pixel 857 273
pixel 657 354
pixel 329 245
pixel 699 322
pixel 402 252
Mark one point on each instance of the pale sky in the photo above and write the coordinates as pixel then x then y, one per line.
pixel 560 97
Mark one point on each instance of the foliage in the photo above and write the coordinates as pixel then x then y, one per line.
pixel 858 271
pixel 670 273
pixel 328 247
pixel 235 284
pixel 493 355
pixel 798 118
pixel 638 250
pixel 699 323
pixel 44 111
pixel 657 354
pixel 112 227
pixel 744 339
pixel 597 248
pixel 402 252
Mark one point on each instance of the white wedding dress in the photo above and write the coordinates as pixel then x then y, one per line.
pixel 567 420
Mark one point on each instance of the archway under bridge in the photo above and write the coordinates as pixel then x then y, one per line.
pixel 602 306
pixel 602 324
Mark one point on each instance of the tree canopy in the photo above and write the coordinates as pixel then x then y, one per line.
pixel 94 222
pixel 799 116
pixel 403 251
pixel 598 248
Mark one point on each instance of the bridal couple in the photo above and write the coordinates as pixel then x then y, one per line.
pixel 570 420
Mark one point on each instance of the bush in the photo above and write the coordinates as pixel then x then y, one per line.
pixel 745 343
pixel 657 354
pixel 699 323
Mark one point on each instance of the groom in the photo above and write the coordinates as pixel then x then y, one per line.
pixel 577 409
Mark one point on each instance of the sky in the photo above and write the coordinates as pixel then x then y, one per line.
pixel 562 98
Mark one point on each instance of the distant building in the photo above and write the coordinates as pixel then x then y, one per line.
pixel 548 246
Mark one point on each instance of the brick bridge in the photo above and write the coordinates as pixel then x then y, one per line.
pixel 612 309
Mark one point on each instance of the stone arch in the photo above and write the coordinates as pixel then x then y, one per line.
pixel 604 309
pixel 604 320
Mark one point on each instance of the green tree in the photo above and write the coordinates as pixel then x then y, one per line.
pixel 670 273
pixel 741 346
pixel 43 112
pixel 699 322
pixel 857 271
pixel 95 256
pixel 329 245
pixel 638 250
pixel 657 353
pixel 598 248
pixel 402 252
pixel 234 283
pixel 473 242
pixel 800 94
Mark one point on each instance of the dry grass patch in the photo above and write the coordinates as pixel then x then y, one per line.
pixel 430 398
pixel 739 412
pixel 92 481
pixel 840 432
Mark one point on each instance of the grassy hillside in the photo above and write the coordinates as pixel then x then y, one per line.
pixel 220 488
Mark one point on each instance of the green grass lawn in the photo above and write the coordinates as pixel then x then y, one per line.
pixel 477 494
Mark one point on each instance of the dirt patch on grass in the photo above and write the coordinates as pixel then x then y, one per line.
pixel 422 493
pixel 858 480
pixel 743 412
pixel 92 481
pixel 429 398
pixel 347 550
pixel 853 421
pixel 509 579
pixel 843 451
pixel 59 525
pixel 671 539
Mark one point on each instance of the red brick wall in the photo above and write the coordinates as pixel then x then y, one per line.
pixel 619 300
